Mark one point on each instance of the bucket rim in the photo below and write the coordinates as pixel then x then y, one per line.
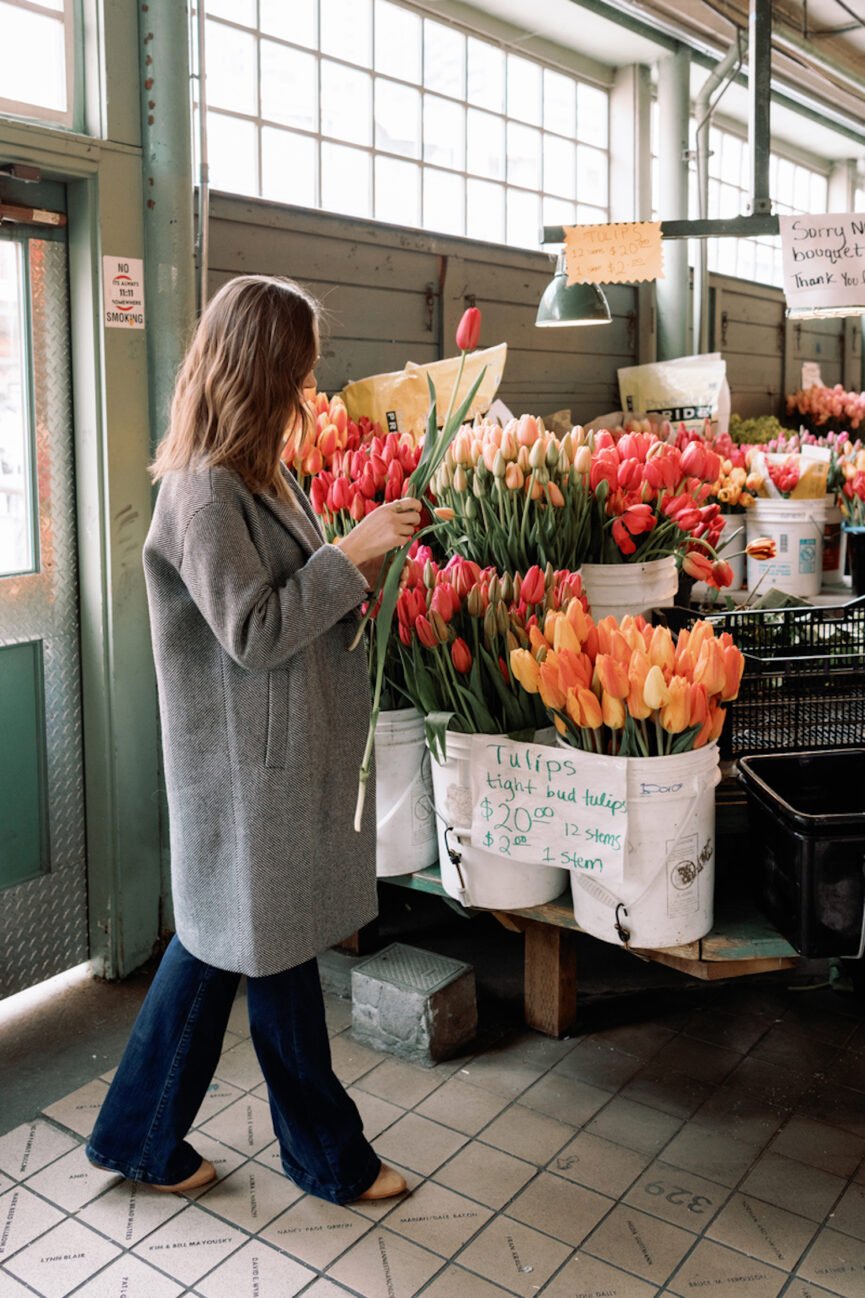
pixel 756 785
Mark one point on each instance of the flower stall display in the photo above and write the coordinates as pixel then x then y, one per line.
pixel 790 508
pixel 822 409
pixel 358 481
pixel 852 503
pixel 643 709
pixel 330 433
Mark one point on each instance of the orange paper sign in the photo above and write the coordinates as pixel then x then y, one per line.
pixel 624 252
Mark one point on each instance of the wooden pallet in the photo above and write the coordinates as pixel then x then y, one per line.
pixel 742 942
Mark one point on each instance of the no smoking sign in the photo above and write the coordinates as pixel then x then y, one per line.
pixel 123 283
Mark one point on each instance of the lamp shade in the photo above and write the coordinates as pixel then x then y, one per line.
pixel 565 304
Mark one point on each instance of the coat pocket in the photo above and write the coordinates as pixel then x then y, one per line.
pixel 277 719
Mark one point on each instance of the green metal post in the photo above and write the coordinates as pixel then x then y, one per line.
pixel 674 105
pixel 169 267
pixel 169 259
pixel 759 102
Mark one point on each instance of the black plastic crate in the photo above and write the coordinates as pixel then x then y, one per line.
pixel 807 816
pixel 804 680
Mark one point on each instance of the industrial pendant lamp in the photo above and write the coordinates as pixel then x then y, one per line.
pixel 566 304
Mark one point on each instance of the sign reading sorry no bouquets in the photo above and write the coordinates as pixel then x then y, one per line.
pixel 549 806
pixel 824 260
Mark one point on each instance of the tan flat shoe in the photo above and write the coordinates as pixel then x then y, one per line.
pixel 387 1185
pixel 205 1174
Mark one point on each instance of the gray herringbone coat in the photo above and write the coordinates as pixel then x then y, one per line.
pixel 264 716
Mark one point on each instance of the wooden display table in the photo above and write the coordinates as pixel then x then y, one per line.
pixel 742 942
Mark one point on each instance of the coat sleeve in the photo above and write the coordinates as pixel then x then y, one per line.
pixel 258 624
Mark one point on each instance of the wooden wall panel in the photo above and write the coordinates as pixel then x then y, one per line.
pixel 394 295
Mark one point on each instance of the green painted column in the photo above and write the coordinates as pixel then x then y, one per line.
pixel 674 109
pixel 169 259
pixel 166 140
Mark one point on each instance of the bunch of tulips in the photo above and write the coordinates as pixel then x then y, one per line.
pixel 851 498
pixel 841 451
pixel 519 495
pixel 820 406
pixel 629 689
pixel 457 626
pixel 330 433
pixel 360 480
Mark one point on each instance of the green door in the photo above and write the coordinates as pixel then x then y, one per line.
pixel 43 899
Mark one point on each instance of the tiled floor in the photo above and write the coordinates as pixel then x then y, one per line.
pixel 717 1151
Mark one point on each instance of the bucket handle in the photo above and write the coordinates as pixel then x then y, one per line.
pixel 454 855
pixel 619 908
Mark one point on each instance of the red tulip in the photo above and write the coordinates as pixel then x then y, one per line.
pixel 639 519
pixel 425 632
pixel 722 574
pixel 461 656
pixel 469 330
pixel 622 537
pixel 318 495
pixel 533 586
pixel 698 565
pixel 358 507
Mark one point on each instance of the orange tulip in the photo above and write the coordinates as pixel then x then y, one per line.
pixel 661 651
pixel 637 673
pixel 579 619
pixel 710 670
pixel 590 708
pixel 514 478
pixel 699 705
pixel 762 547
pixel 575 670
pixel 613 676
pixel 613 711
pixel 565 637
pixel 551 693
pixel 697 565
pixel 719 716
pixel 734 665
pixel 676 712
pixel 537 639
pixel 525 670
pixel 556 498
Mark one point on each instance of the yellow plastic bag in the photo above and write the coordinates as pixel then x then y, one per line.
pixel 400 401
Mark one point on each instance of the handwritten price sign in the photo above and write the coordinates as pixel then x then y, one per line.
pixel 549 806
pixel 624 252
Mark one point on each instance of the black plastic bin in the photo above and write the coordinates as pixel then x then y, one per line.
pixel 807 816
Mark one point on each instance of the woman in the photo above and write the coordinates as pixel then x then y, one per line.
pixel 264 716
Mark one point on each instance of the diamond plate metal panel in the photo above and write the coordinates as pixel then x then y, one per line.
pixel 412 968
pixel 43 923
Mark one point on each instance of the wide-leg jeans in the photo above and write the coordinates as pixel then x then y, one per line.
pixel 171 1058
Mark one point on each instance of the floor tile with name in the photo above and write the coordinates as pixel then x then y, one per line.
pixel 58 1262
pixel 721 1271
pixel 599 1164
pixel 72 1180
pixel 316 1231
pixel 129 1212
pixel 762 1230
pixel 383 1265
pixel 589 1277
pixel 79 1110
pixel 251 1197
pixel 190 1245
pixel 255 1271
pixel 219 1095
pixel 438 1219
pixel 514 1256
pixel 32 1146
pixel 23 1217
pixel 128 1277
pixel 560 1208
pixel 848 1214
pixel 793 1186
pixel 245 1125
pixel 645 1246
pixel 837 1262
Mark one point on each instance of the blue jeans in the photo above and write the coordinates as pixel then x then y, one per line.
pixel 172 1055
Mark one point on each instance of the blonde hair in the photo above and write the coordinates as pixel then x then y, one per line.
pixel 240 387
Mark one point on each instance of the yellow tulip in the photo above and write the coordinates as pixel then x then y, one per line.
pixel 676 712
pixel 551 693
pixel 661 651
pixel 655 690
pixel 637 673
pixel 613 711
pixel 525 669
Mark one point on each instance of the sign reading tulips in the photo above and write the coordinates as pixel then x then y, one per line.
pixel 549 806
pixel 622 252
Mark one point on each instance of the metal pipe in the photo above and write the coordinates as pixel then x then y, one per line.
pixel 203 244
pixel 719 78
pixel 759 102
pixel 725 227
pixel 674 105
pixel 169 268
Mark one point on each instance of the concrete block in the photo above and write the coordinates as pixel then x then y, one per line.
pixel 414 1004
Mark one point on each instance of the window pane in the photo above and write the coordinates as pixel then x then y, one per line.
pixel 444 67
pixel 523 218
pixel 346 30
pixel 524 90
pixel 560 166
pixel 443 201
pixel 397 191
pixel 714 152
pixel 289 86
pixel 346 103
pixel 16 497
pixel 444 132
pixel 485 217
pixel 397 118
pixel 764 269
pixel 231 69
pixel 346 180
pixel 398 36
pixel 786 172
pixel 486 144
pixel 593 115
pixel 237 11
pixel 486 75
pixel 731 159
pixel 560 103
pixel 233 153
pixel 297 22
pixel 288 164
pixel 524 155
pixel 729 201
pixel 32 58
pixel 558 211
pixel 592 172
pixel 587 215
pixel 819 193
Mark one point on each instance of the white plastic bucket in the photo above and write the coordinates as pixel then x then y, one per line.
pixel 481 878
pixel 406 834
pixel 733 539
pixel 666 896
pixel 834 544
pixel 621 588
pixel 796 527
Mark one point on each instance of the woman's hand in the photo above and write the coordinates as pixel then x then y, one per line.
pixel 386 528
